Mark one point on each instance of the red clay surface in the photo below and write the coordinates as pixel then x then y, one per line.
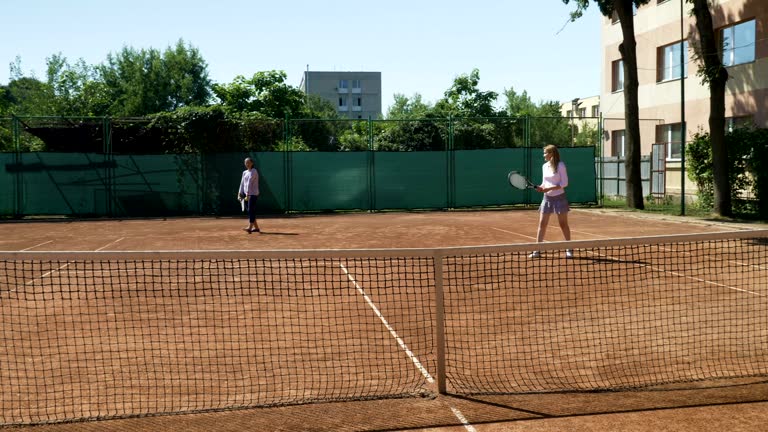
pixel 340 231
pixel 732 405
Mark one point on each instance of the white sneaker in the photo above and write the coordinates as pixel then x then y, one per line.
pixel 569 253
pixel 534 254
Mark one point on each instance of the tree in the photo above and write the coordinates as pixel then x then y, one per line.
pixel 465 99
pixel 628 49
pixel 408 108
pixel 5 101
pixel 422 134
pixel 142 82
pixel 519 105
pixel 187 74
pixel 546 124
pixel 77 90
pixel 319 108
pixel 714 74
pixel 265 93
pixel 30 96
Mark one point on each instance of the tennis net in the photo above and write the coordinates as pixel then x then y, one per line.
pixel 94 335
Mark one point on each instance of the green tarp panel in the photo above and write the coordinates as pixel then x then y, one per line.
pixel 481 177
pixel 7 184
pixel 157 185
pixel 410 180
pixel 582 175
pixel 63 183
pixel 329 181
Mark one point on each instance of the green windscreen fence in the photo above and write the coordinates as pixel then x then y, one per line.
pixel 410 180
pixel 481 177
pixel 329 181
pixel 8 186
pixel 94 184
pixel 61 183
pixel 147 185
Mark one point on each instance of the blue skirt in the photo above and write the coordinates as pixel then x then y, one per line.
pixel 554 204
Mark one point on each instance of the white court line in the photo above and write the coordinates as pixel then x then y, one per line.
pixel 389 327
pixel 588 233
pixel 677 274
pixel 47 274
pixel 759 267
pixel 658 269
pixel 512 232
pixel 110 244
pixel 405 348
pixel 463 420
pixel 691 277
pixel 32 247
pixel 67 264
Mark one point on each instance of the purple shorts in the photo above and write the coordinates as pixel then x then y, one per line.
pixel 554 204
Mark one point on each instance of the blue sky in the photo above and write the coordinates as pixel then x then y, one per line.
pixel 419 46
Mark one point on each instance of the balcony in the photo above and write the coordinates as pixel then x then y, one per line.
pixel 357 108
pixel 342 90
pixel 357 90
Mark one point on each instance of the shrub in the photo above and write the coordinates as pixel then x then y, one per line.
pixel 747 163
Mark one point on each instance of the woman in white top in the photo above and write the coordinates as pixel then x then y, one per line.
pixel 249 192
pixel 555 179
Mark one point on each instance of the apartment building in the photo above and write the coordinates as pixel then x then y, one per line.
pixel 588 107
pixel 356 95
pixel 742 30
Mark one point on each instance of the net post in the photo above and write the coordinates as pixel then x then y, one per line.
pixel 439 321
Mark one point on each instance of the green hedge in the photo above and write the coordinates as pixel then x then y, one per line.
pixel 748 162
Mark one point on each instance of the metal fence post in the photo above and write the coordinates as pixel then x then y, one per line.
pixel 18 189
pixel 371 168
pixel 439 322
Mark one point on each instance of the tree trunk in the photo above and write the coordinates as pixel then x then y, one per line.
pixel 628 50
pixel 716 76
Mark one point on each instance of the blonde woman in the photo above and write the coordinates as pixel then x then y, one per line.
pixel 555 180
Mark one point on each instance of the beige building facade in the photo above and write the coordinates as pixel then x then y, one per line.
pixel 355 95
pixel 742 30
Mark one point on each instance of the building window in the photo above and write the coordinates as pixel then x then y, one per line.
pixel 669 62
pixel 671 135
pixel 356 84
pixel 618 144
pixel 358 101
pixel 595 110
pixel 342 102
pixel 617 76
pixel 732 123
pixel 582 112
pixel 343 84
pixel 569 114
pixel 738 43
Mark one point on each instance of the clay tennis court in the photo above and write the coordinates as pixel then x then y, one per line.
pixel 407 312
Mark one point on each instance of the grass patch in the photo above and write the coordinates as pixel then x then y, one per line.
pixel 666 207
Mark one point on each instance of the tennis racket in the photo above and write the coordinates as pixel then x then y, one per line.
pixel 519 181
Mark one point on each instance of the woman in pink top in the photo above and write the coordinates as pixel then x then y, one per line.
pixel 555 179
